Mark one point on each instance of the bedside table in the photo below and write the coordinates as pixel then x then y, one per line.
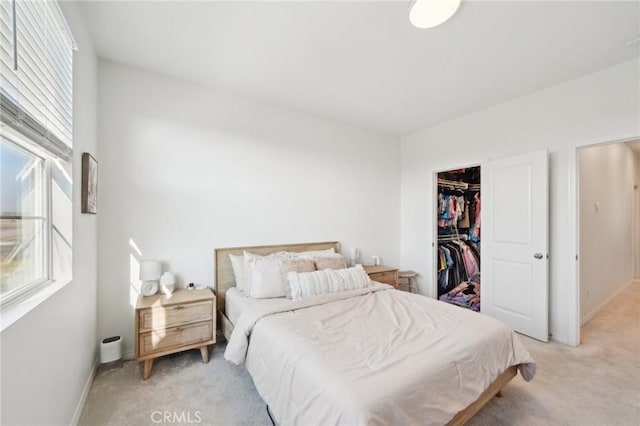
pixel 383 274
pixel 166 324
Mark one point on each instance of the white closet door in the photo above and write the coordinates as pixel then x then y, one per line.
pixel 514 235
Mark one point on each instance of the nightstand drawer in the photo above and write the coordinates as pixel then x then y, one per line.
pixel 175 315
pixel 385 278
pixel 156 341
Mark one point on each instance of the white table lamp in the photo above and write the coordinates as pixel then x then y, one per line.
pixel 149 274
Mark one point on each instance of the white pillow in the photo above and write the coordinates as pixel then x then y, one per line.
pixel 312 254
pixel 237 263
pixel 309 284
pixel 266 279
pixel 249 258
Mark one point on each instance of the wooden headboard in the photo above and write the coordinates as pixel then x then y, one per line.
pixel 224 271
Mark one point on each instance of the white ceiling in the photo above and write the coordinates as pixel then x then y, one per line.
pixel 363 63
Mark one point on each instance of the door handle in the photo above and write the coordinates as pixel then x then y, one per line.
pixel 538 256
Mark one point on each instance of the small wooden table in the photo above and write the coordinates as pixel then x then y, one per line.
pixel 383 274
pixel 166 324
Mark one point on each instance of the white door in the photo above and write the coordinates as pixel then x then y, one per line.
pixel 514 226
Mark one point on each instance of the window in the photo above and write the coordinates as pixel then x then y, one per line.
pixel 36 53
pixel 23 217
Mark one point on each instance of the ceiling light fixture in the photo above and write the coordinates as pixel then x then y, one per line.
pixel 431 13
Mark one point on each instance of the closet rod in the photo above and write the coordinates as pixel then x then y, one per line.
pixel 462 237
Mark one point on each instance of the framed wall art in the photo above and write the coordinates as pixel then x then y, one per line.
pixel 89 202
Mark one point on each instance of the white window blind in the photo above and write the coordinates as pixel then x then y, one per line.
pixel 37 86
pixel 7 53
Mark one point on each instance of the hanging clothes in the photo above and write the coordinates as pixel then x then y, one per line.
pixel 459 229
pixel 474 231
pixel 458 262
pixel 464 221
pixel 451 209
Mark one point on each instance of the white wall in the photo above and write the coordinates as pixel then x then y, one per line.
pixel 636 217
pixel 599 107
pixel 49 354
pixel 607 174
pixel 184 169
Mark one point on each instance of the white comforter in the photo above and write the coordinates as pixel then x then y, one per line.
pixel 372 356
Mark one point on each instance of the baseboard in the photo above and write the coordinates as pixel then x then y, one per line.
pixel 84 395
pixel 604 303
pixel 129 355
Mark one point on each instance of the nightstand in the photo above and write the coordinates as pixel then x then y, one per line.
pixel 383 274
pixel 166 324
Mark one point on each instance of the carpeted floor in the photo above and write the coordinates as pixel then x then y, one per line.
pixel 595 384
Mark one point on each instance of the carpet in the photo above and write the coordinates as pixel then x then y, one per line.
pixel 597 383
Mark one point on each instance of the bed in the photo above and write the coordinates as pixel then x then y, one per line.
pixel 368 356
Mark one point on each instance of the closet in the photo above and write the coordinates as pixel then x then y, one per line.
pixel 458 207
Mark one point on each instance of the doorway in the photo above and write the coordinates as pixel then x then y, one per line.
pixel 458 230
pixel 514 259
pixel 607 223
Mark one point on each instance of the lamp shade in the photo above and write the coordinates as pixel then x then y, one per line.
pixel 431 13
pixel 149 270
